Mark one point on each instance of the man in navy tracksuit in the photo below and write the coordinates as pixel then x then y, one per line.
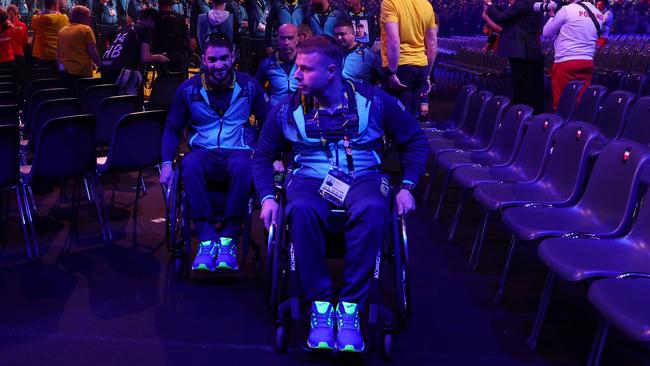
pixel 217 105
pixel 334 138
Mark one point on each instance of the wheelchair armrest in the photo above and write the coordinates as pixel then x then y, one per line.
pixel 645 276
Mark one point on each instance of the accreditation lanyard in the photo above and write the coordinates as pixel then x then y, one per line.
pixel 346 138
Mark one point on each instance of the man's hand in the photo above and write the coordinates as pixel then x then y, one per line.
pixel 405 202
pixel 278 167
pixel 269 212
pixel 395 83
pixel 166 175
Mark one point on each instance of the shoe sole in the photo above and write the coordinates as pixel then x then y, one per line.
pixel 322 346
pixel 350 349
pixel 203 268
pixel 226 268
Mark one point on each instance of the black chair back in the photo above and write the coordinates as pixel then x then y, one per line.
pixel 40 84
pixel 93 96
pixel 137 140
pixel 48 110
pixel 9 87
pixel 39 97
pixel 163 90
pixel 81 85
pixel 110 112
pixel 9 156
pixel 9 115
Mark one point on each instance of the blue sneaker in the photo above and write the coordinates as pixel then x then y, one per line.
pixel 227 255
pixel 205 256
pixel 348 337
pixel 321 332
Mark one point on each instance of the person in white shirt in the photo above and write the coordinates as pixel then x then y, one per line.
pixel 608 21
pixel 576 28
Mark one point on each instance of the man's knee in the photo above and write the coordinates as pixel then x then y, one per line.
pixel 375 210
pixel 192 165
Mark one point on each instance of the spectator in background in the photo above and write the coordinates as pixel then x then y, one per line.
pixel 121 63
pixel 608 21
pixel 197 7
pixel 363 18
pixel 105 23
pixel 408 49
pixel 18 41
pixel 76 52
pixel 282 12
pixel 493 32
pixel 322 16
pixel 135 7
pixel 46 26
pixel 304 32
pixel 520 43
pixel 217 20
pixel 360 63
pixel 277 70
pixel 172 38
pixel 6 49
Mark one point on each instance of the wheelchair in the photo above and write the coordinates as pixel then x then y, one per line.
pixel 179 230
pixel 283 290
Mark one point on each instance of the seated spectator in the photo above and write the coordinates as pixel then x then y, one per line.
pixel 360 64
pixel 277 70
pixel 282 12
pixel 304 32
pixel 216 105
pixel 121 63
pixel 322 16
pixel 46 26
pixel 77 53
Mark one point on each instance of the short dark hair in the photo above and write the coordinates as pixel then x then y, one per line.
pixel 49 3
pixel 218 40
pixel 149 13
pixel 343 23
pixel 162 3
pixel 360 25
pixel 324 45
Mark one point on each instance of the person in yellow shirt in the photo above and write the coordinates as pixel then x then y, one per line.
pixel 46 28
pixel 408 49
pixel 76 48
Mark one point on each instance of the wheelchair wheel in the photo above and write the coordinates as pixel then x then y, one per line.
pixel 177 225
pixel 400 265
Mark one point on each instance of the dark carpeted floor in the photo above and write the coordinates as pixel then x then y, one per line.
pixel 88 303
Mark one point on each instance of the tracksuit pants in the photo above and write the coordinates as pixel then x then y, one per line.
pixel 368 216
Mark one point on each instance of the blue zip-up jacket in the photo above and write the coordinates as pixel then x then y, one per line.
pixel 287 128
pixel 282 13
pixel 361 64
pixel 208 129
pixel 324 23
pixel 281 84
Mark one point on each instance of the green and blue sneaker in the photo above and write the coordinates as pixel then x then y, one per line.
pixel 321 332
pixel 348 337
pixel 227 255
pixel 205 256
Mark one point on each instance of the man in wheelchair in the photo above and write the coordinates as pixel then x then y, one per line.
pixel 220 107
pixel 333 128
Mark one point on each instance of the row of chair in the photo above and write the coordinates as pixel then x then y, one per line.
pixel 539 172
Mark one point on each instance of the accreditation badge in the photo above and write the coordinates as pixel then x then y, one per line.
pixel 335 187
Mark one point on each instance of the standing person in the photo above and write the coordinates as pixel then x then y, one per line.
pixel 576 28
pixel 366 23
pixel 520 43
pixel 408 48
pixel 122 62
pixel 322 16
pixel 336 138
pixel 76 51
pixel 106 19
pixel 215 105
pixel 46 26
pixel 608 21
pixel 360 64
pixel 6 48
pixel 304 32
pixel 217 20
pixel 278 69
pixel 282 12
pixel 18 41
pixel 172 38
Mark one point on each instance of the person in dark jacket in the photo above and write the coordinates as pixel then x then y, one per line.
pixel 520 43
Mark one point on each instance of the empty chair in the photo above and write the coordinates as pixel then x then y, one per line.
pixel 163 89
pixel 637 127
pixel 634 83
pixel 601 211
pixel 48 83
pixel 110 112
pixel 66 151
pixel 611 120
pixel 39 97
pixel 10 178
pixel 459 112
pixel 526 166
pixel 9 115
pixel 475 110
pixel 569 100
pixel 560 185
pixel 80 86
pixel 93 96
pixel 624 303
pixel 135 146
pixel 8 98
pixel 9 87
pixel 639 64
pixel 8 79
pixel 590 103
pixel 48 110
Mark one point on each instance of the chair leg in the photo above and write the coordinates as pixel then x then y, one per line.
pixel 477 248
pixel 99 197
pixel 31 195
pixel 441 199
pixel 23 221
pixel 432 177
pixel 599 342
pixel 143 184
pixel 459 210
pixel 541 310
pixel 506 268
pixel 30 220
pixel 91 185
pixel 89 194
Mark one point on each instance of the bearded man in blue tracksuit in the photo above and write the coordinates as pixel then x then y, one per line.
pixel 334 128
pixel 218 106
